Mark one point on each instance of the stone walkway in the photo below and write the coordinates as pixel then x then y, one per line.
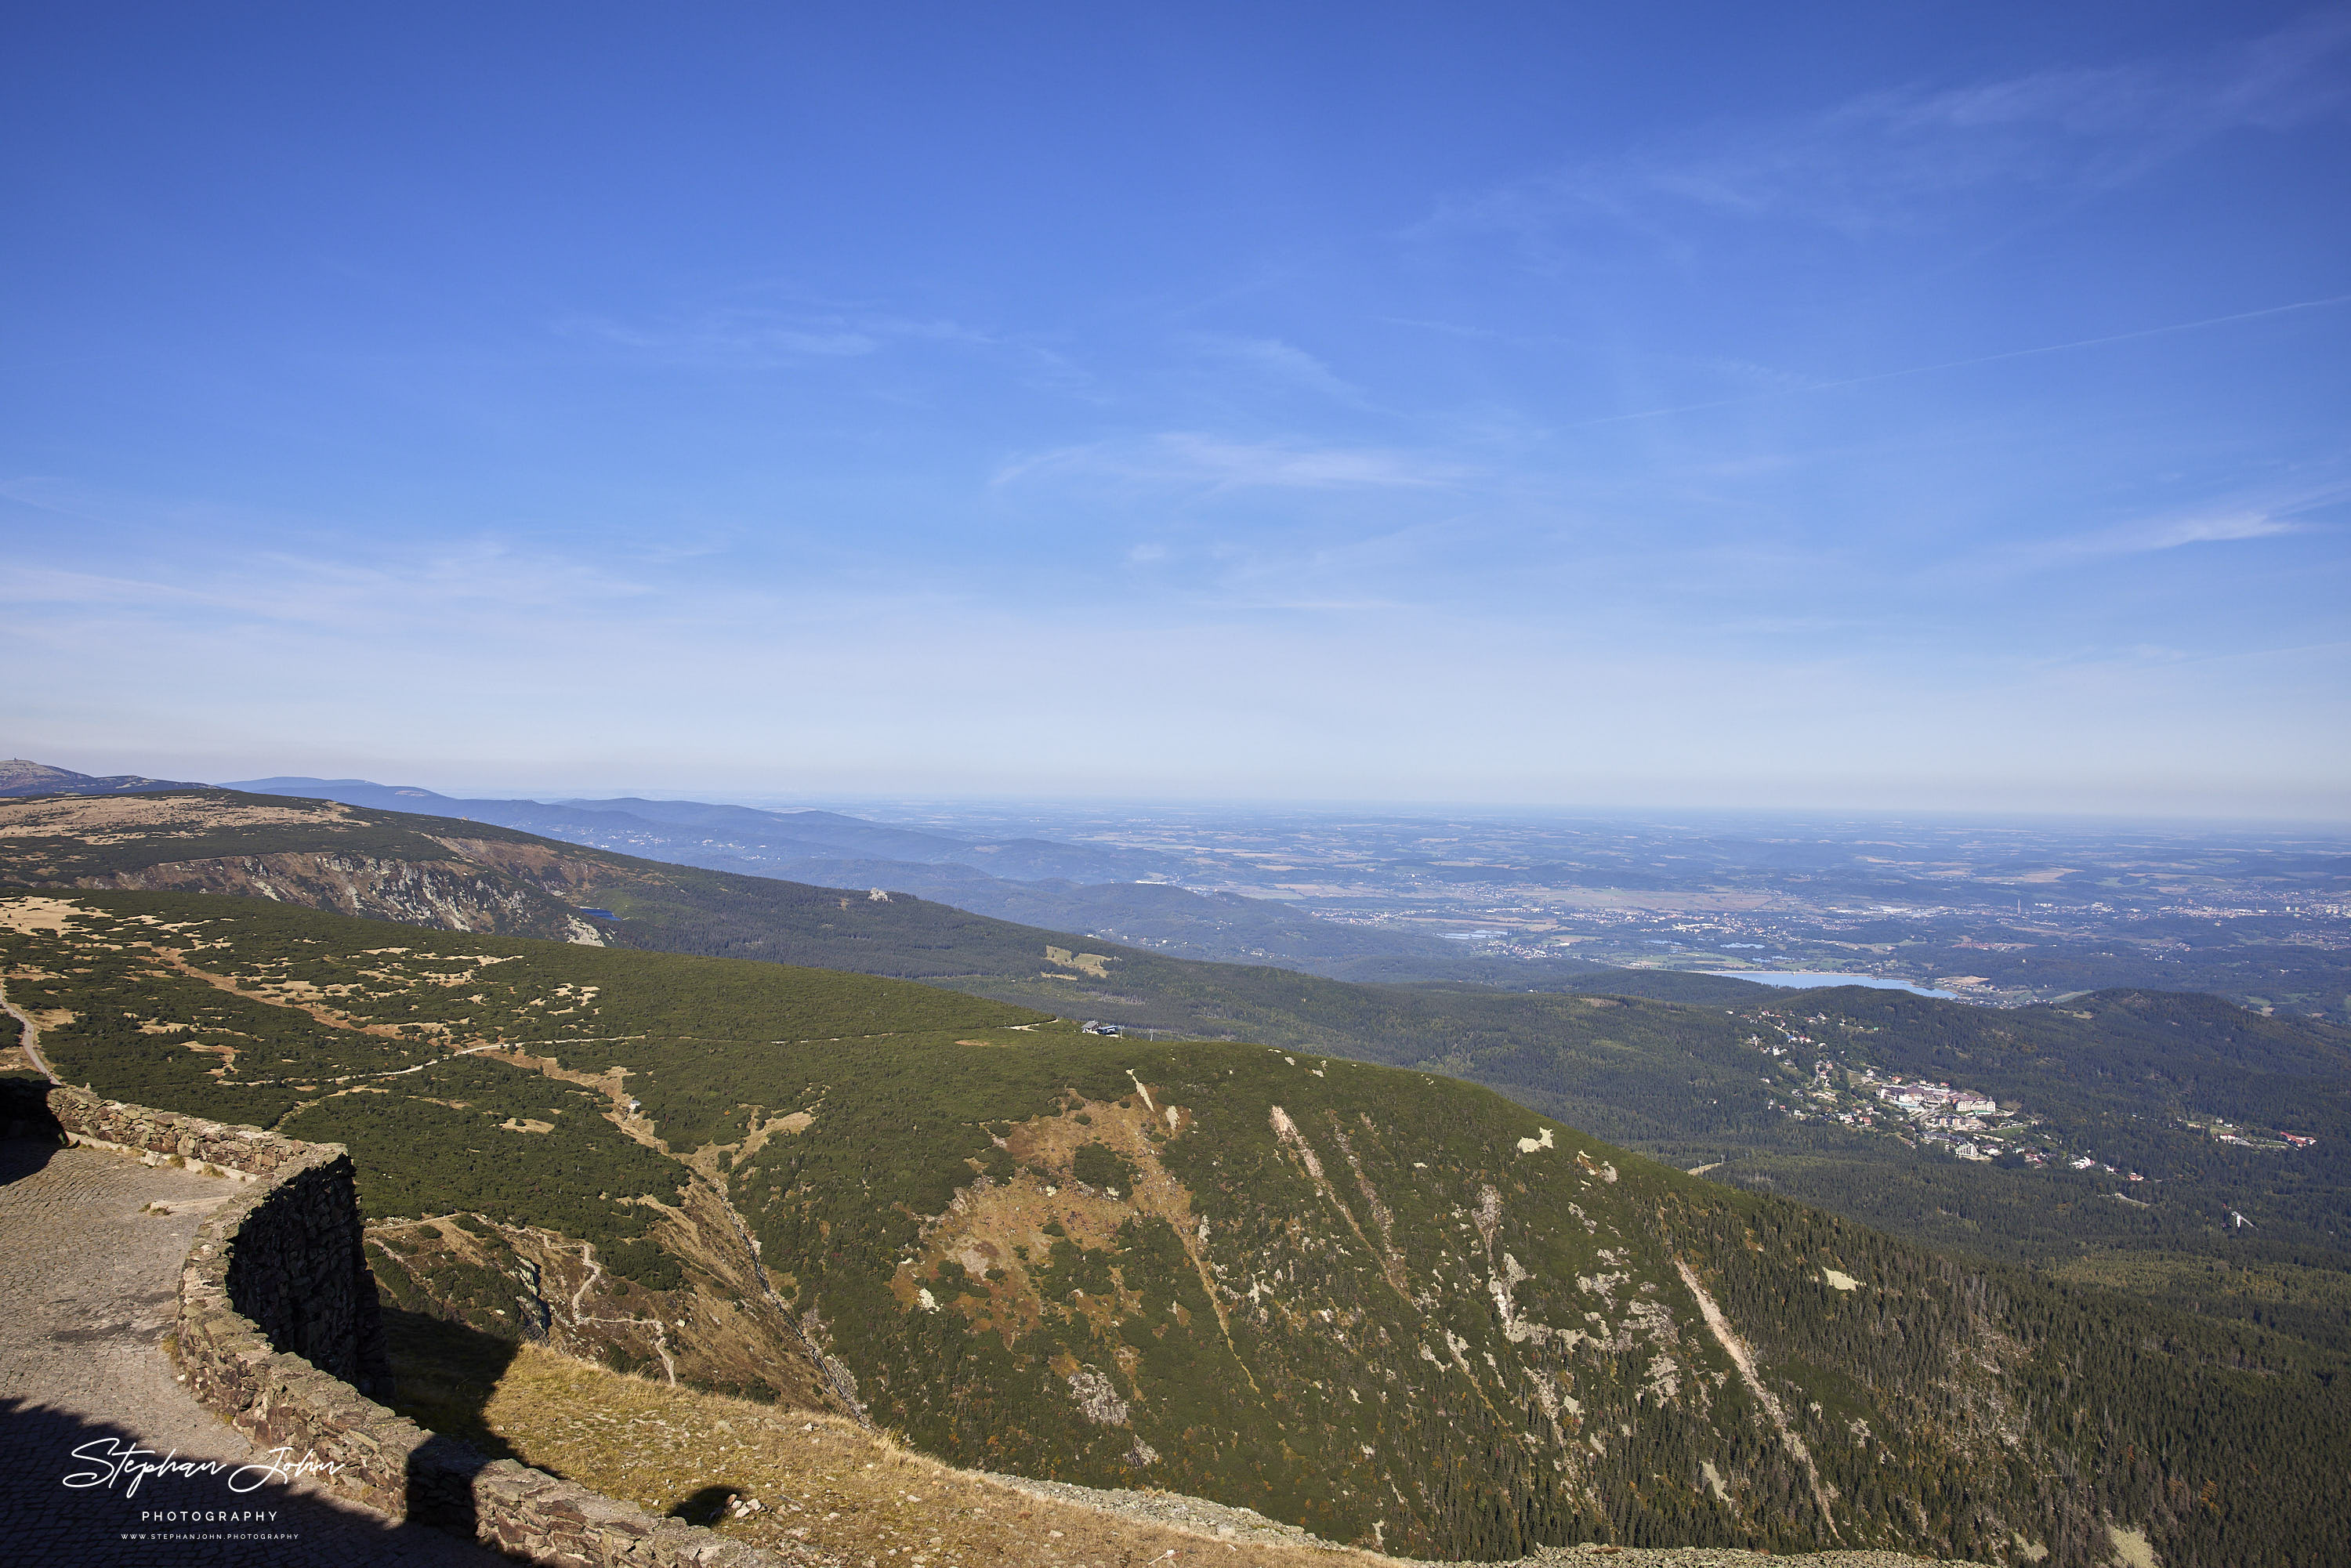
pixel 88 1276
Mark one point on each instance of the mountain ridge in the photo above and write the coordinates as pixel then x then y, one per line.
pixel 1762 1088
pixel 1120 896
pixel 21 776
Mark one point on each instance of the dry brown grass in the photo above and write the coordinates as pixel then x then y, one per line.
pixel 826 1485
pixel 104 819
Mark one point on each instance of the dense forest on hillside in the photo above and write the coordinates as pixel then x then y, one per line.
pixel 431 1128
pixel 1380 1301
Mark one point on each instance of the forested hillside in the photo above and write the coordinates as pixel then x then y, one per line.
pixel 2246 1230
pixel 1392 1306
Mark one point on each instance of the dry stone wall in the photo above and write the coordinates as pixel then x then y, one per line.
pixel 278 1332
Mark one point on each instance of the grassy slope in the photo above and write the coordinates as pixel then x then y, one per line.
pixel 822 1481
pixel 1363 1370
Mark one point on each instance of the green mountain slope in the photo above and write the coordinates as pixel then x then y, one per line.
pixel 1392 1306
pixel 1679 1077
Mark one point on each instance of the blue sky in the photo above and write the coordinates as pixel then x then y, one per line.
pixel 1905 405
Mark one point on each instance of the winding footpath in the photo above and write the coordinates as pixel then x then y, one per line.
pixel 596 1272
pixel 31 1042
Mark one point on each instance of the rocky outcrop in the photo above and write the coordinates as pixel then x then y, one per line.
pixel 721 1327
pixel 453 893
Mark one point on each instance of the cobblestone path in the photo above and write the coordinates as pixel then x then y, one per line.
pixel 88 1275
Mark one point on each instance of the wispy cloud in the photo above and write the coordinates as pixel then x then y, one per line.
pixel 1786 384
pixel 1187 459
pixel 449 586
pixel 1888 158
pixel 2182 531
pixel 762 335
pixel 736 338
pixel 1276 361
pixel 2153 535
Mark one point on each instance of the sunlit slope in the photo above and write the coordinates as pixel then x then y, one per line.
pixel 1393 1307
pixel 447 1061
pixel 1682 1082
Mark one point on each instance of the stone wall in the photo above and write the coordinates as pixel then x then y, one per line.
pixel 278 1332
pixel 30 1107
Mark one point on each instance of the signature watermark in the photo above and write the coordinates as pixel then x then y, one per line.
pixel 114 1461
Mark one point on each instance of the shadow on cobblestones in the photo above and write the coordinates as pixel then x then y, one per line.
pixel 74 1489
pixel 440 1485
pixel 29 1132
pixel 22 1157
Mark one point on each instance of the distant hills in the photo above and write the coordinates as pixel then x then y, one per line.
pixel 1673 1065
pixel 776 839
pixel 21 777
pixel 1116 894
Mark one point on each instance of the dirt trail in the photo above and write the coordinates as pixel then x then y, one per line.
pixel 661 1330
pixel 31 1043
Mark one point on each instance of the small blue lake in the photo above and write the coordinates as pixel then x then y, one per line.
pixel 1808 980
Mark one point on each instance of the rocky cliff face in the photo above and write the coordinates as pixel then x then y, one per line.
pixel 453 893
pixel 721 1327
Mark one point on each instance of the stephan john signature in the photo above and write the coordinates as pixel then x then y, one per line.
pixel 114 1459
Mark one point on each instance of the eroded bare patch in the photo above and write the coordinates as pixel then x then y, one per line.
pixel 39 916
pixel 996 1230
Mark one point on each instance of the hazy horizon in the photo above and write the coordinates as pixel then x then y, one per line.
pixel 886 803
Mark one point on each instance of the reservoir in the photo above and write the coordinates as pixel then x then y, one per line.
pixel 1806 979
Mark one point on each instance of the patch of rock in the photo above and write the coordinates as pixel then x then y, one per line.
pixel 1172 1510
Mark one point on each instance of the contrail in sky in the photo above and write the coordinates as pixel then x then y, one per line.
pixel 1962 364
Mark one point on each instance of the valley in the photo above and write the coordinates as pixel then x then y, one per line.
pixel 1674 1072
pixel 1217 1260
pixel 1385 1305
pixel 1142 785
